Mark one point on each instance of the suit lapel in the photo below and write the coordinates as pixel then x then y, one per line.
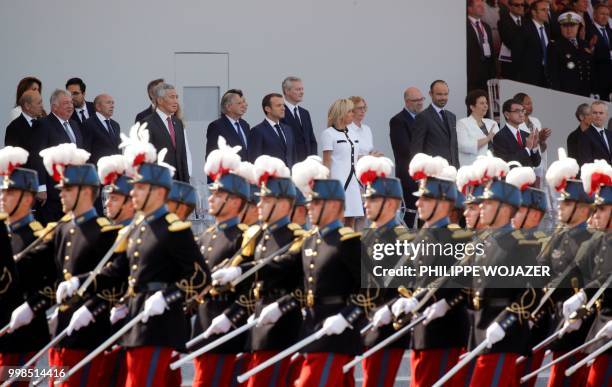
pixel 164 130
pixel 231 130
pixel 407 116
pixel 436 117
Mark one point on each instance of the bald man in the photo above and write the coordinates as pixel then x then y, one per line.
pixel 19 131
pixel 401 134
pixel 100 131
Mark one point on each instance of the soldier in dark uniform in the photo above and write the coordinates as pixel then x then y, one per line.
pixel 595 263
pixel 74 248
pixel 118 206
pixel 276 196
pixel 499 304
pixel 182 199
pixel 559 253
pixel 568 64
pixel 330 268
pixel 438 342
pixel 527 218
pixel 299 213
pixel 382 199
pixel 221 245
pixel 18 278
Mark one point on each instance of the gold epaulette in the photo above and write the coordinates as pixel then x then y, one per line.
pixel 294 226
pixel 540 235
pixel 48 230
pixel 66 218
pixel 462 234
pixel 179 225
pixel 210 229
pixel 102 221
pixel 122 247
pixel 348 233
pixel 243 227
pixel 453 226
pixel 3 216
pixel 111 227
pixel 518 235
pixel 249 242
pixel 300 236
pixel 530 242
pixel 171 217
pixel 35 226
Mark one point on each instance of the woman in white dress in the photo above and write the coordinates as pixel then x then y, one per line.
pixel 363 131
pixel 340 153
pixel 475 133
pixel 27 83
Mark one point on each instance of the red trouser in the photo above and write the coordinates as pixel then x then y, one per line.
pixel 219 370
pixel 380 368
pixel 91 374
pixel 600 373
pixel 530 364
pixel 14 360
pixel 275 375
pixel 325 369
pixel 557 372
pixel 295 367
pixel 150 366
pixel 429 365
pixel 495 370
pixel 115 367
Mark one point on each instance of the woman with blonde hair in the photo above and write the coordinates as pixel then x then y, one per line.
pixel 361 130
pixel 340 153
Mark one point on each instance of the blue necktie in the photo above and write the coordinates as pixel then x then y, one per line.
pixel 543 44
pixel 241 135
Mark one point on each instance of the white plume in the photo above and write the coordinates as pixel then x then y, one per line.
pixel 521 177
pixel 488 167
pixel 137 147
pixel 12 157
pixel 370 167
pixel 305 172
pixel 160 161
pixel 246 170
pixel 222 160
pixel 561 170
pixel 595 174
pixel 111 167
pixel 267 166
pixel 422 166
pixel 449 172
pixel 56 158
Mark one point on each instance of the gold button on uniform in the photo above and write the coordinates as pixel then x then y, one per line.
pixel 134 267
pixel 67 257
pixel 68 244
pixel 136 254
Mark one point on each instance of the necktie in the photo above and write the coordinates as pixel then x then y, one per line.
pixel 241 134
pixel 519 139
pixel 518 21
pixel 604 139
pixel 543 44
pixel 574 42
pixel 480 33
pixel 82 115
pixel 605 36
pixel 280 133
pixel 109 127
pixel 444 123
pixel 69 132
pixel 297 116
pixel 171 130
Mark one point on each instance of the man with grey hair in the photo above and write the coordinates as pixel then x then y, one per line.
pixel 101 131
pixel 298 118
pixel 596 143
pixel 19 131
pixel 166 130
pixel 230 125
pixel 56 128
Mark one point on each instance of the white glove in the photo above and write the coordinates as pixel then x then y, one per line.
pixel 66 289
pixel 335 324
pixel 382 317
pixel 118 313
pixel 404 306
pixel 21 316
pixel 80 319
pixel 269 314
pixel 494 334
pixel 226 275
pixel 435 311
pixel 570 326
pixel 154 306
pixel 219 325
pixel 605 331
pixel 574 303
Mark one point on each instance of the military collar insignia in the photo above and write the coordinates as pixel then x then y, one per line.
pixel 336 224
pixel 21 222
pixel 282 222
pixel 161 211
pixel 88 215
pixel 227 224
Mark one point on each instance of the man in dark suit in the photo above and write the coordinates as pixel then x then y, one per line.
pixel 400 132
pixel 510 26
pixel 602 52
pixel 480 58
pixel 101 131
pixel 140 117
pixel 298 118
pixel 513 144
pixel 434 131
pixel 82 109
pixel 531 53
pixel 597 140
pixel 166 131
pixel 56 128
pixel 272 137
pixel 20 131
pixel 230 125
pixel 584 116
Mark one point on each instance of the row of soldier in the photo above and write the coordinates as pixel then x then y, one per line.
pixel 276 303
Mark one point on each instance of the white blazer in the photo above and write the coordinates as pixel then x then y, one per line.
pixel 468 134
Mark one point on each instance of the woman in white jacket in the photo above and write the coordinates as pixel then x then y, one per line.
pixel 475 133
